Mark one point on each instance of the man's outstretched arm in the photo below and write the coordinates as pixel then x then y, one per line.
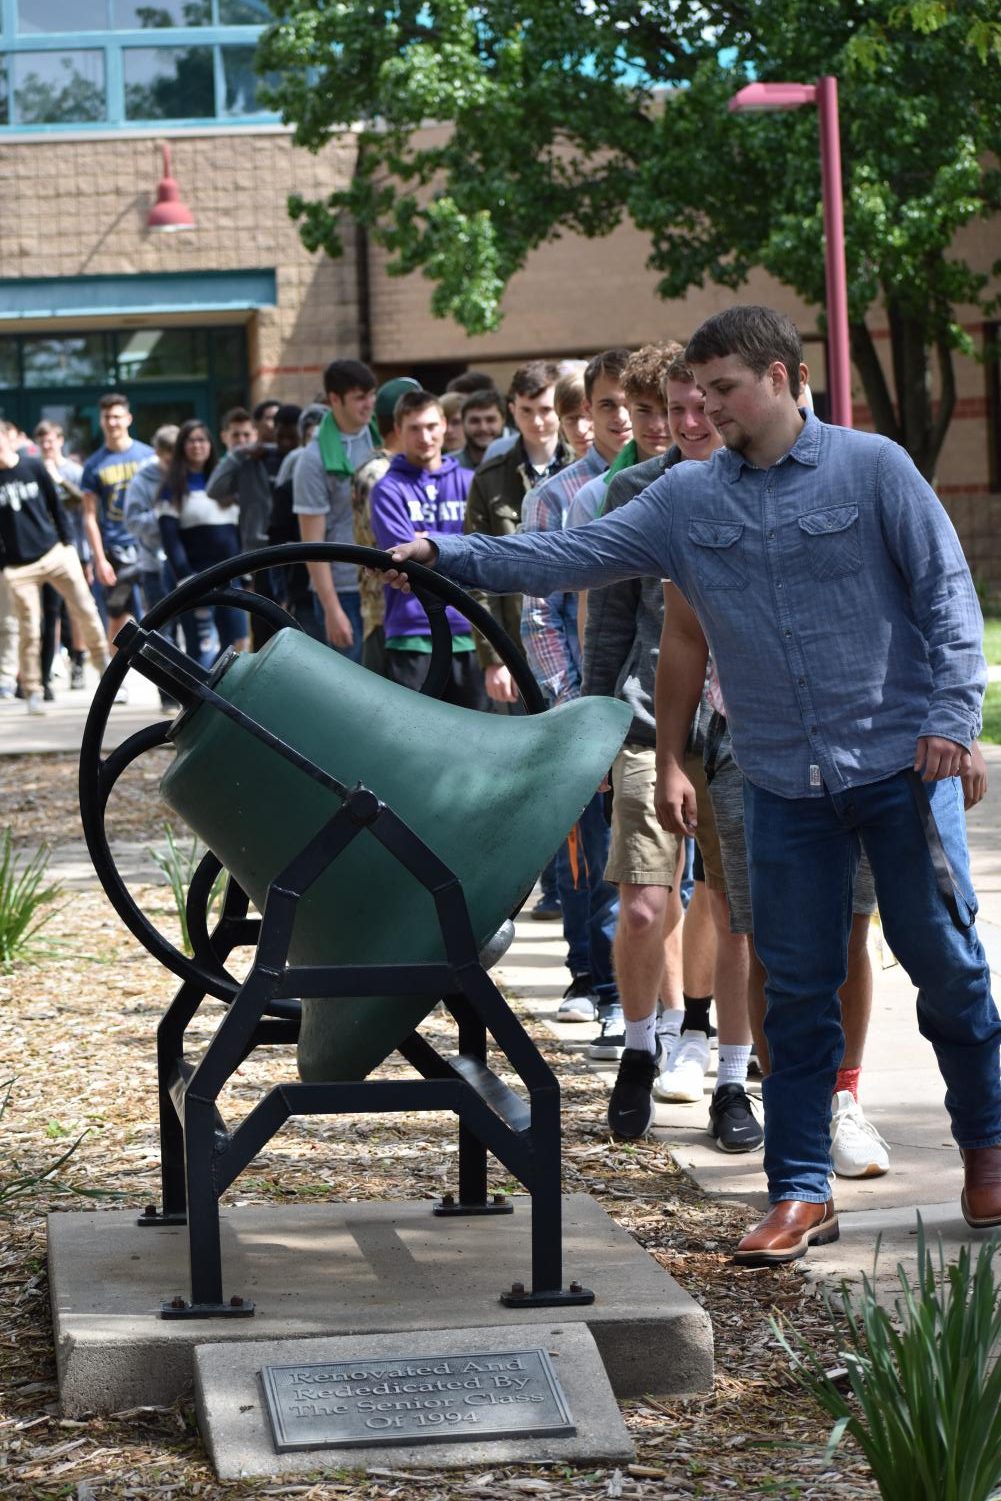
pixel 633 541
pixel 681 673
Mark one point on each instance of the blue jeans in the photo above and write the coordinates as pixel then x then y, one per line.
pixel 802 858
pixel 351 605
pixel 590 903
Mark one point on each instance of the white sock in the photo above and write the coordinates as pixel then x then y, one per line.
pixel 669 1023
pixel 642 1034
pixel 733 1060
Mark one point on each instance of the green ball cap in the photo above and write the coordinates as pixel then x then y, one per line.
pixel 389 394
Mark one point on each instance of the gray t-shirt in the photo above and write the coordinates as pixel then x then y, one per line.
pixel 317 493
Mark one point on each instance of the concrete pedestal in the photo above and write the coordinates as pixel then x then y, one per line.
pixel 343 1269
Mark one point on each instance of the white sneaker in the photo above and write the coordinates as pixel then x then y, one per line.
pixel 36 704
pixel 684 1078
pixel 122 696
pixel 857 1149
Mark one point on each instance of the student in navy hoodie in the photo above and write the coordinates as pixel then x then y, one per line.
pixel 423 494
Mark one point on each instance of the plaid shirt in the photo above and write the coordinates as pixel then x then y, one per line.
pixel 549 623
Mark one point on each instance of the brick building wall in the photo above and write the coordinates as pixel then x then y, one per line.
pixel 78 207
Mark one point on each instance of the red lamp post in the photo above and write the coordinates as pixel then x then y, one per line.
pixel 772 96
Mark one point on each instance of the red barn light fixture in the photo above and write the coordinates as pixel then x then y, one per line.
pixel 169 212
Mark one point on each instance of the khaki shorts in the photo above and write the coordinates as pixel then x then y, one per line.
pixel 642 853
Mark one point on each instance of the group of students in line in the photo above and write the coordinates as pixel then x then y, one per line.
pixel 384 465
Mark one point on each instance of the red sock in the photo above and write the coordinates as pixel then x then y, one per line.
pixel 848 1079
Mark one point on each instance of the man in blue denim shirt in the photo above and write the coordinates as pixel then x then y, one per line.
pixel 841 614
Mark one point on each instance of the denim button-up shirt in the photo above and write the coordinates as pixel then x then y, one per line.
pixel 831 587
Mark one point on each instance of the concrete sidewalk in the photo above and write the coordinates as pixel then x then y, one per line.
pixel 60 728
pixel 901 1088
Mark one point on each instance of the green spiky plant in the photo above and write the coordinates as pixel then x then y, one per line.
pixel 923 1398
pixel 25 903
pixel 179 863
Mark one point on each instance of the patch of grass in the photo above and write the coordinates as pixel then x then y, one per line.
pixel 992 640
pixel 24 903
pixel 991 733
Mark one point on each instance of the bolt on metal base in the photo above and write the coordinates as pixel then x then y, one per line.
pixel 153 1216
pixel 518 1296
pixel 180 1308
pixel 448 1205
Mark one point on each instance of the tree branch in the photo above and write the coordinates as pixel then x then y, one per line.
pixel 946 405
pixel 869 367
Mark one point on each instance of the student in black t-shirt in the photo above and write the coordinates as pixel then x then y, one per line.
pixel 35 549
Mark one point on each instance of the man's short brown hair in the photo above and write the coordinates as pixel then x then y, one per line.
pixel 532 378
pixel 645 370
pixel 113 399
pixel 415 401
pixel 610 362
pixel 235 415
pixel 758 336
pixel 679 369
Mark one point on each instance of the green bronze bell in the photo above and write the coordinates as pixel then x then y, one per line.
pixel 492 796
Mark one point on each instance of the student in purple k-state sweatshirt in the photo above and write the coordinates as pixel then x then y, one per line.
pixel 423 493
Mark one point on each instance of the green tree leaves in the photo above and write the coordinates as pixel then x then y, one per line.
pixel 566 115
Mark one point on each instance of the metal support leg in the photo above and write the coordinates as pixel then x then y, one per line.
pixel 204 1246
pixel 547 1290
pixel 169 1052
pixel 472 1153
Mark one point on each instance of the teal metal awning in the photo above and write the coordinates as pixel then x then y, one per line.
pixel 147 293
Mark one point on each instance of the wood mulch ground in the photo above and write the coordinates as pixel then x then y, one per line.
pixel 76 1038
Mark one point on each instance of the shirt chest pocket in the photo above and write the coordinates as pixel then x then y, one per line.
pixel 718 550
pixel 831 543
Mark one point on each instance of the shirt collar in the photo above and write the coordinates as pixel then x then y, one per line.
pixel 805 450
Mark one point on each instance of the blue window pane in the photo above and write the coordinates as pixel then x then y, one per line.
pixel 168 83
pixel 77 360
pixel 147 15
pixel 244 13
pixel 42 17
pixel 241 82
pixel 56 88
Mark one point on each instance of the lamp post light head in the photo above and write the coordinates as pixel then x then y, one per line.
pixel 169 212
pixel 768 96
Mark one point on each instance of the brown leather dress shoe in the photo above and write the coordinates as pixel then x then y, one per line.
pixel 787 1231
pixel 981 1199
